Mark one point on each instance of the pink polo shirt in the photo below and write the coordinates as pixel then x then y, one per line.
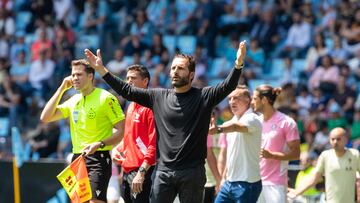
pixel 276 132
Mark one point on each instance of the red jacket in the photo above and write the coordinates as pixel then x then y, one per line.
pixel 139 142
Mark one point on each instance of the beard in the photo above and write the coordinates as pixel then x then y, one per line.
pixel 180 82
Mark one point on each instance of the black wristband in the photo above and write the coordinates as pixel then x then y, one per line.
pixel 219 130
pixel 102 144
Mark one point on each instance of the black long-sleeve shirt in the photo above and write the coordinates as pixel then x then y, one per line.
pixel 181 119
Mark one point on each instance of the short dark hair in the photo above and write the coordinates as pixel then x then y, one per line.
pixel 190 59
pixel 84 63
pixel 269 92
pixel 143 71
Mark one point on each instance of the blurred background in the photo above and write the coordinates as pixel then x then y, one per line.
pixel 311 48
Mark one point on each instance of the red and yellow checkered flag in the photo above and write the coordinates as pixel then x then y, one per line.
pixel 75 181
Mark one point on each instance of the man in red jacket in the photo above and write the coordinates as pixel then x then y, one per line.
pixel 136 153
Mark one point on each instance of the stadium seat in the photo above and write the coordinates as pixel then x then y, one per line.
pixel 215 81
pixel 277 68
pixel 170 43
pixel 186 44
pixel 85 41
pixel 253 83
pixel 298 65
pixel 222 42
pixel 22 19
pixel 4 127
pixel 218 65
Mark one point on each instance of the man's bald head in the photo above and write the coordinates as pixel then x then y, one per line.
pixel 337 138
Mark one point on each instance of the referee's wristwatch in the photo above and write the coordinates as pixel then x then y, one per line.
pixel 102 144
pixel 219 130
pixel 142 169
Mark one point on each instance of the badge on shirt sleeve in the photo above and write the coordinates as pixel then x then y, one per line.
pixel 75 116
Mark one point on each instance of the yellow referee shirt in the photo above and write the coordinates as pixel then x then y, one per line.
pixel 92 117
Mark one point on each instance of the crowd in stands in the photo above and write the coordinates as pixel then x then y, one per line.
pixel 311 48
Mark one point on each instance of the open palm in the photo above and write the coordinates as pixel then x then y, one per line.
pixel 94 60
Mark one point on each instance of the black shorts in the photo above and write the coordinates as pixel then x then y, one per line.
pixel 99 170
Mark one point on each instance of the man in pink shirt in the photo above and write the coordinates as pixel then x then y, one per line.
pixel 280 143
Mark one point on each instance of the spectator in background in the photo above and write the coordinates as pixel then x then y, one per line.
pixel 290 74
pixel 325 76
pixel 201 62
pixel 132 45
pixel 40 44
pixel 338 53
pixel 64 38
pixel 7 24
pixel 159 52
pixel 234 20
pixel 339 166
pixel 298 38
pixel 316 51
pixel 10 100
pixel 303 101
pixel 335 118
pixel 19 72
pixel 44 140
pixel 185 19
pixel 308 162
pixel 351 32
pixel 355 130
pixel 65 11
pixel 256 57
pixel 156 12
pixel 142 28
pixel 118 65
pixel 95 15
pixel 206 16
pixel 279 132
pixel 345 98
pixel 19 45
pixel 40 74
pixel 321 140
pixel 265 30
pixel 4 46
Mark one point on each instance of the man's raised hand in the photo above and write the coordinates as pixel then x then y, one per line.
pixel 241 53
pixel 96 61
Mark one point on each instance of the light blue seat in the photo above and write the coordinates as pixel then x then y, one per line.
pixel 30 39
pixel 222 43
pixel 4 126
pixel 86 42
pixel 277 68
pixel 215 81
pixel 170 43
pixel 253 83
pixel 22 19
pixel 219 65
pixel 186 44
pixel 298 65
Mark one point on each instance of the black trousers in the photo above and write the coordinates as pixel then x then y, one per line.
pixel 187 183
